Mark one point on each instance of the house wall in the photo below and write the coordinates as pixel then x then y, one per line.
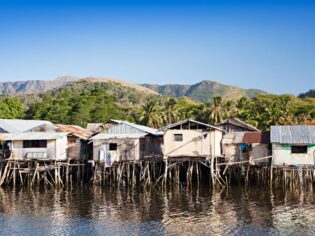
pixel 56 149
pixel 233 128
pixel 258 150
pixel 215 142
pixel 61 148
pixel 231 152
pixel 127 149
pixel 74 147
pixel 281 154
pixel 194 143
pixel 153 146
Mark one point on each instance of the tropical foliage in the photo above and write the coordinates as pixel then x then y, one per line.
pixel 85 102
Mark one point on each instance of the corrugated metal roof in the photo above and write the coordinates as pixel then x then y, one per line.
pixel 75 130
pixel 16 126
pixel 141 127
pixel 33 136
pixel 246 138
pixel 256 137
pixel 296 134
pixel 117 136
pixel 97 127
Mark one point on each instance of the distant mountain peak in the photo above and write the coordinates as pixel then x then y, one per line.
pixel 204 90
pixel 41 86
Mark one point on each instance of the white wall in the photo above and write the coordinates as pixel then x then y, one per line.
pixel 61 148
pixel 216 138
pixel 56 149
pixel 194 143
pixel 231 152
pixel 281 154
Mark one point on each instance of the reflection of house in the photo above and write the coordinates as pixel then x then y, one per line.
pixel 189 138
pixel 293 145
pixel 236 125
pixel 125 141
pixel 241 146
pixel 78 147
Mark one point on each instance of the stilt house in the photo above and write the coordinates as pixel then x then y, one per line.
pixel 293 145
pixel 125 141
pixel 191 139
pixel 77 139
pixel 32 139
pixel 244 146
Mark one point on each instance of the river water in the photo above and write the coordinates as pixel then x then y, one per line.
pixel 176 211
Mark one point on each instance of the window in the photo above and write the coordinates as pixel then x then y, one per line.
pixel 112 146
pixel 34 143
pixel 178 137
pixel 298 149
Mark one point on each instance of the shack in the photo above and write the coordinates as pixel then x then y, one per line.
pixel 125 141
pixel 246 146
pixel 77 139
pixel 191 139
pixel 236 125
pixel 36 145
pixel 293 145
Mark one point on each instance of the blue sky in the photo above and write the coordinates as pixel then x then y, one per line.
pixel 268 45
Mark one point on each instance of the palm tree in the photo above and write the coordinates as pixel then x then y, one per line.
pixel 215 109
pixel 229 108
pixel 151 114
pixel 171 112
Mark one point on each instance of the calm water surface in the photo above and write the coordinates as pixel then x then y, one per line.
pixel 182 211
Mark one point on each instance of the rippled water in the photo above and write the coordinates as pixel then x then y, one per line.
pixel 179 211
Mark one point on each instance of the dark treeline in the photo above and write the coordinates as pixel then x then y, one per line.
pixel 100 102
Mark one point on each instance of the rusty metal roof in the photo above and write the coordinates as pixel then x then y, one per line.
pixel 246 137
pixel 75 130
pixel 256 137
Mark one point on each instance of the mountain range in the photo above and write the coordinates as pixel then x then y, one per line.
pixel 202 91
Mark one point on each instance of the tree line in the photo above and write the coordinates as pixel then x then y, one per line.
pixel 95 105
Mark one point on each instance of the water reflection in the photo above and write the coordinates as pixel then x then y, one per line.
pixel 136 212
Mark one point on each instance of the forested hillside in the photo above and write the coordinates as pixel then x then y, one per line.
pixel 83 102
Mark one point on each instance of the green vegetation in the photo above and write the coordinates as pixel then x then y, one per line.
pixel 261 111
pixel 11 108
pixel 83 102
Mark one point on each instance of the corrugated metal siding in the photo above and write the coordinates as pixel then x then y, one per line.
pixel 299 134
pixel 123 129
